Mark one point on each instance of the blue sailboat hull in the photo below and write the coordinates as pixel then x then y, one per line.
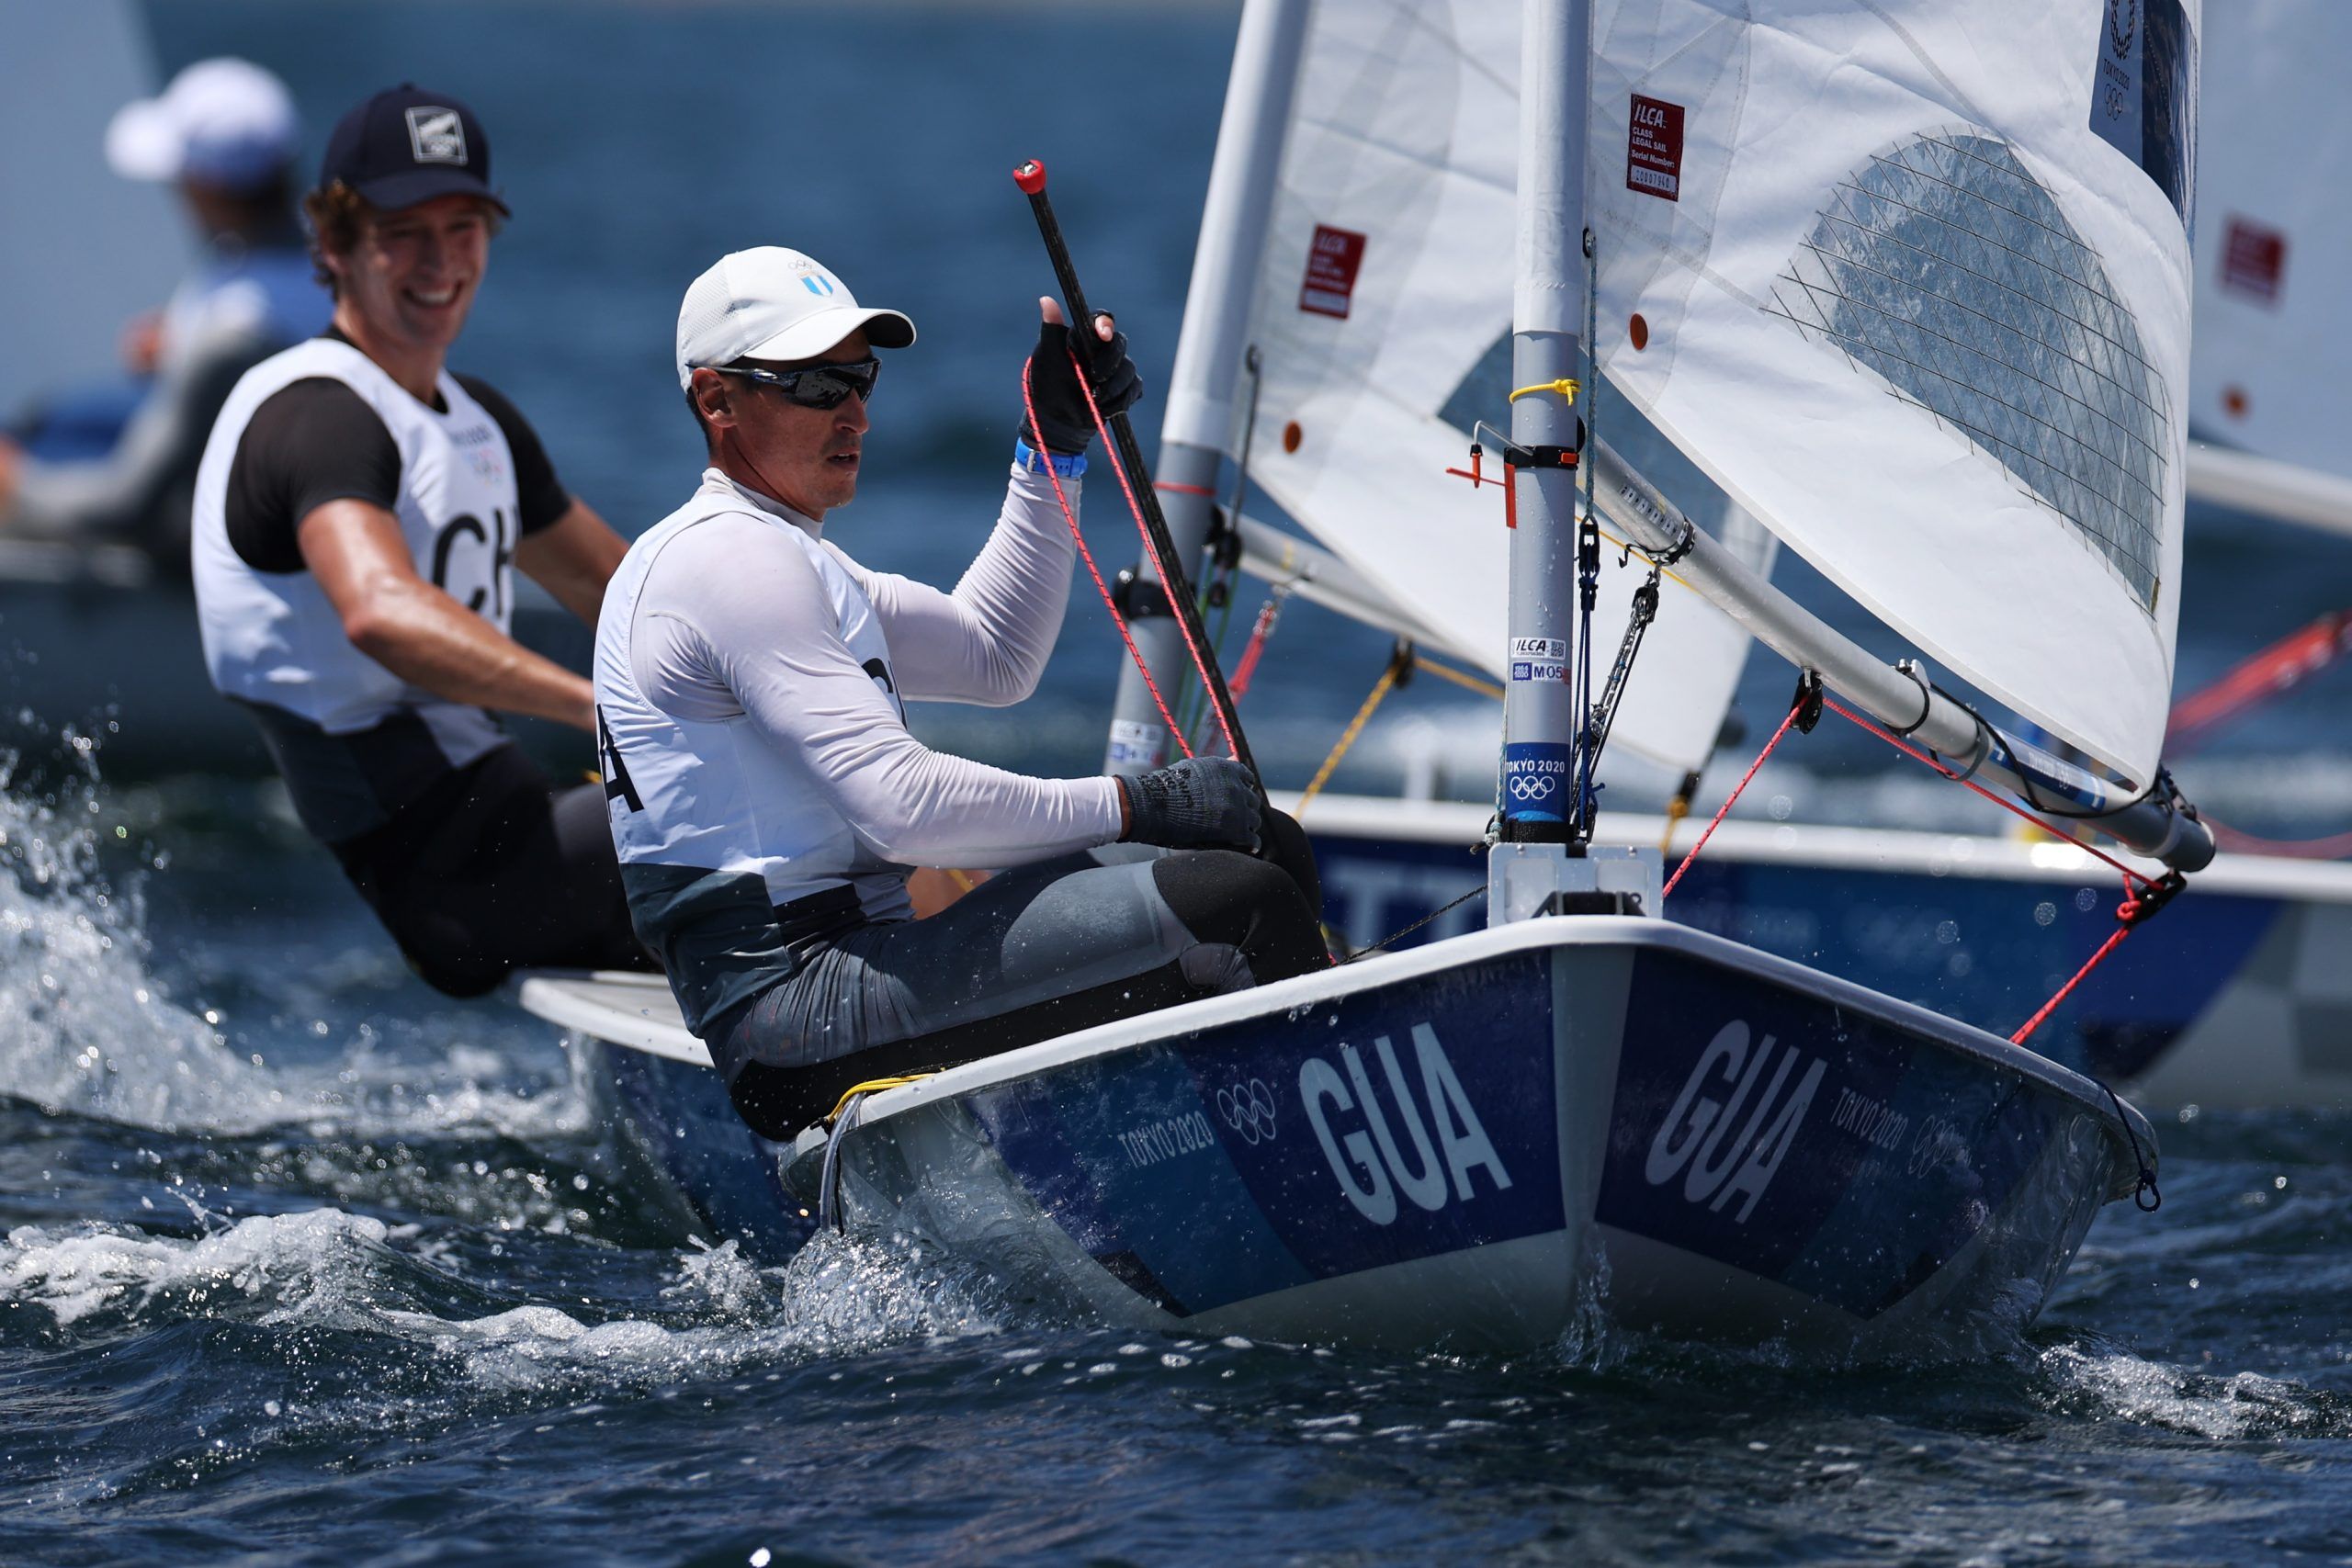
pixel 1480 1144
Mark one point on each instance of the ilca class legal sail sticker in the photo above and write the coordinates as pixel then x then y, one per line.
pixel 2254 260
pixel 1654 148
pixel 2144 95
pixel 1332 262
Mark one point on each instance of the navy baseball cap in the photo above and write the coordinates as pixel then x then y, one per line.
pixel 406 145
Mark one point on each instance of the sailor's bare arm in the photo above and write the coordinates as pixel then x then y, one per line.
pixel 572 558
pixel 421 634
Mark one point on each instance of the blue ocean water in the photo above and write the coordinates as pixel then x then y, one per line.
pixel 303 1263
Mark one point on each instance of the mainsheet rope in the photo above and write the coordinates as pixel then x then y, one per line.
pixel 1110 601
pixel 1151 548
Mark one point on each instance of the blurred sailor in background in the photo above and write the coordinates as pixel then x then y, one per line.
pixel 118 465
pixel 768 800
pixel 358 517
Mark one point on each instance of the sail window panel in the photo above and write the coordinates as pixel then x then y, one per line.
pixel 1942 267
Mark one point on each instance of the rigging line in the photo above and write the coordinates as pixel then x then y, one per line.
pixel 1151 547
pixel 1192 708
pixel 1584 415
pixel 2140 906
pixel 2114 940
pixel 1225 556
pixel 2009 806
pixel 1676 810
pixel 1724 810
pixel 1398 662
pixel 1463 679
pixel 1110 601
pixel 1445 908
pixel 1637 624
pixel 2145 1187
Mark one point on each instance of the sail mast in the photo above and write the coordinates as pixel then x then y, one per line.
pixel 1199 422
pixel 1541 714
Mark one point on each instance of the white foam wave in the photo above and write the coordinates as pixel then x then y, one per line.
pixel 296 1266
pixel 326 1268
pixel 837 1297
pixel 2238 1405
pixel 85 1028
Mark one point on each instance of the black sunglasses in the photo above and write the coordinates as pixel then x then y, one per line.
pixel 816 386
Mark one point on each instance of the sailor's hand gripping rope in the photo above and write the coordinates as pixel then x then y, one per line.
pixel 1126 461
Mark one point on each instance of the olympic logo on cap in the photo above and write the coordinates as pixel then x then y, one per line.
pixel 1249 1109
pixel 1532 787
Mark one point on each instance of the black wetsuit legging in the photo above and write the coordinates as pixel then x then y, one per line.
pixel 1029 954
pixel 495 869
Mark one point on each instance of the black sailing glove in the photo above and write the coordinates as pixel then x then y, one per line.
pixel 1201 803
pixel 1062 415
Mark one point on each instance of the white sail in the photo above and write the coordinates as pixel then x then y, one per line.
pixel 2274 232
pixel 1910 280
pixel 1382 320
pixel 82 250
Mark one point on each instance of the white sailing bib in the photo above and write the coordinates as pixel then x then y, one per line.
pixel 275 638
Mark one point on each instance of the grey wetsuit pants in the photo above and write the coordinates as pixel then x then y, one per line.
pixel 1031 953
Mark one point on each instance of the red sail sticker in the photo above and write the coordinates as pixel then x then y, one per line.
pixel 1654 148
pixel 1332 263
pixel 2253 262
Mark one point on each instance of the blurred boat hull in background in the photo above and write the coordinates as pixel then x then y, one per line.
pixel 2238 997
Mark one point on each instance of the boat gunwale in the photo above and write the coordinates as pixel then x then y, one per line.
pixel 2134 1135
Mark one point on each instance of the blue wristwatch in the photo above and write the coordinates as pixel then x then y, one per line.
pixel 1070 465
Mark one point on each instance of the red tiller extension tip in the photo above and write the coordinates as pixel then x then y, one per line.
pixel 1030 176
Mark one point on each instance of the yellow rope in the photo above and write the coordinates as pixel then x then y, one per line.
pixel 1676 810
pixel 871 1085
pixel 960 879
pixel 1479 684
pixel 1380 689
pixel 1566 387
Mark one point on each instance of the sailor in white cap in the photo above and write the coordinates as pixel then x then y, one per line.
pixel 224 133
pixel 768 801
pixel 360 516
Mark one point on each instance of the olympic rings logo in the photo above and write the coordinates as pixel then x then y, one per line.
pixel 1249 1109
pixel 1531 787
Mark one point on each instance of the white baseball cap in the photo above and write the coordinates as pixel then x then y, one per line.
pixel 225 122
pixel 771 303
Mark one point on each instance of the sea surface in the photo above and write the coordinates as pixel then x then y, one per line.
pixel 302 1263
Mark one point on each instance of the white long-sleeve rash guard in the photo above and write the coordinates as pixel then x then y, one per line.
pixel 735 623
